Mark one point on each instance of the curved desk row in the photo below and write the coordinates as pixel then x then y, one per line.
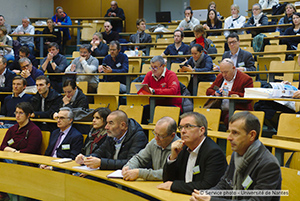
pixel 50 185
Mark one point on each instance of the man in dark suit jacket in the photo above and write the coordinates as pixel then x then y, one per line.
pixel 235 81
pixel 196 161
pixel 66 141
pixel 243 60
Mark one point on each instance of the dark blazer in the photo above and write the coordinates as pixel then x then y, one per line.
pixel 241 82
pixel 264 170
pixel 80 101
pixel 134 141
pixel 243 57
pixel 212 164
pixel 74 138
pixel 9 75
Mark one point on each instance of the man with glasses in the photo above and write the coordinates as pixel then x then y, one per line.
pixel 162 81
pixel 125 138
pixel 233 82
pixel 156 153
pixel 196 161
pixel 86 63
pixel 115 62
pixel 242 59
pixel 29 72
pixel 66 141
pixel 177 48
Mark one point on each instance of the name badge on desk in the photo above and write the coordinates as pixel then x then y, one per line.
pixel 196 170
pixel 241 64
pixel 180 53
pixel 247 182
pixel 65 146
pixel 118 65
pixel 10 142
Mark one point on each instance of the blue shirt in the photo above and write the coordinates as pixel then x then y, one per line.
pixel 118 66
pixel 183 50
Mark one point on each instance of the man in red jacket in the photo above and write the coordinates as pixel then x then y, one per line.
pixel 230 81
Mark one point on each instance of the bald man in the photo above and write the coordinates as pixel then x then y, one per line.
pixel 125 139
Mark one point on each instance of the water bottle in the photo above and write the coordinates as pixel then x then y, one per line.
pixel 225 90
pixel 136 52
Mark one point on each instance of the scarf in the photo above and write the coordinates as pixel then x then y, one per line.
pixel 94 136
pixel 257 18
pixel 197 63
pixel 287 20
pixel 200 41
pixel 242 163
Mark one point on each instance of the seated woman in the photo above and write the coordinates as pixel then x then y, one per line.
pixel 212 5
pixel 199 62
pixel 212 22
pixel 207 44
pixel 290 9
pixel 292 43
pixel 99 48
pixel 257 19
pixel 234 21
pixel 51 29
pixel 25 136
pixel 5 39
pixel 98 133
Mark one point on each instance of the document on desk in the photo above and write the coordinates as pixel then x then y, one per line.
pixel 62 160
pixel 84 167
pixel 116 175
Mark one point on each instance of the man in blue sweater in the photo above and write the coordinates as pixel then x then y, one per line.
pixel 10 101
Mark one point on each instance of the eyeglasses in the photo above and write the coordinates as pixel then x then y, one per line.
pixel 25 66
pixel 255 9
pixel 160 137
pixel 187 127
pixel 62 118
pixel 232 42
pixel 155 68
pixel 20 113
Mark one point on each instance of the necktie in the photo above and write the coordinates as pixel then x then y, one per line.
pixel 57 143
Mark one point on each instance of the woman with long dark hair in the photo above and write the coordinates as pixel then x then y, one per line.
pixel 212 22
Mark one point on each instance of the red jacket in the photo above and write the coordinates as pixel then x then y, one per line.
pixel 241 82
pixel 168 85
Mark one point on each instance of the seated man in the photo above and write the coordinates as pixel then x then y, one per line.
pixel 54 63
pixel 24 136
pixel 140 36
pixel 109 35
pixel 9 104
pixel 196 161
pixel 252 166
pixel 6 76
pixel 23 52
pixel 3 23
pixel 115 62
pixel 61 18
pixel 178 48
pixel 230 81
pixel 125 139
pixel 86 63
pixel 162 81
pixel 74 97
pixel 29 72
pixel 46 102
pixel 115 11
pixel 189 22
pixel 26 29
pixel 66 141
pixel 156 153
pixel 242 59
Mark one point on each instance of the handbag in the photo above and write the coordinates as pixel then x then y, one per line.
pixel 213 103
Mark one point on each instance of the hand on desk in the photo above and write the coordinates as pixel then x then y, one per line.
pixel 165 186
pixel 197 197
pixel 92 162
pixel 46 167
pixel 107 69
pixel 296 94
pixel 130 175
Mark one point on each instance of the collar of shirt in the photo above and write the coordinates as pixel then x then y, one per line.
pixel 118 141
pixel 236 54
pixel 196 150
pixel 75 95
pixel 162 75
pixel 20 95
pixel 4 72
pixel 66 131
